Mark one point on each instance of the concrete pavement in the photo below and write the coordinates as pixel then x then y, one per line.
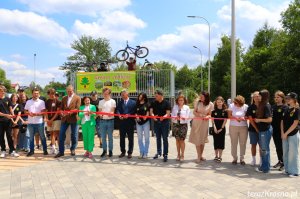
pixel 78 177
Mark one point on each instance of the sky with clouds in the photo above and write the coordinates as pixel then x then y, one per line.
pixel 47 27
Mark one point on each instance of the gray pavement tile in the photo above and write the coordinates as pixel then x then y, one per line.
pixel 123 178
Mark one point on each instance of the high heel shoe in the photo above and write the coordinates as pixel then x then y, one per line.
pixel 182 158
pixel 156 156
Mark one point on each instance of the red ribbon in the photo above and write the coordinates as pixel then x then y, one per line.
pixel 137 116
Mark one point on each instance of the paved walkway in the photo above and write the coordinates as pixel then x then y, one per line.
pixel 78 177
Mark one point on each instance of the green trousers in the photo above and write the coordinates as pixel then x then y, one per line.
pixel 88 134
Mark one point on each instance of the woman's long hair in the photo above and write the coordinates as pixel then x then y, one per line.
pixel 224 107
pixel 206 98
pixel 144 95
pixel 265 95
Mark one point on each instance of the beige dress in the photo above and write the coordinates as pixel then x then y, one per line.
pixel 199 131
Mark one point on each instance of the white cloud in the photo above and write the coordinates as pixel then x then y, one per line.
pixel 17 57
pixel 8 66
pixel 116 26
pixel 19 73
pixel 249 18
pixel 82 7
pixel 16 22
pixel 255 14
pixel 177 48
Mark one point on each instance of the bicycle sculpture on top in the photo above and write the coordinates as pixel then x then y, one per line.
pixel 139 52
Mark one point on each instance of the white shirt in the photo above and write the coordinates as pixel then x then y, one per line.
pixel 86 117
pixel 35 106
pixel 238 112
pixel 184 112
pixel 106 106
pixel 70 99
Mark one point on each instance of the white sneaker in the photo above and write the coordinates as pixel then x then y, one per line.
pixel 293 175
pixel 258 170
pixel 52 150
pixel 141 156
pixel 14 154
pixel 145 156
pixel 2 154
pixel 253 162
pixel 260 161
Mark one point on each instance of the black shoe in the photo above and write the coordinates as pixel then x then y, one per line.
pixel 121 155
pixel 156 156
pixel 45 152
pixel 279 163
pixel 59 155
pixel 73 153
pixel 165 158
pixel 103 154
pixel 281 168
pixel 30 154
pixel 129 156
pixel 110 154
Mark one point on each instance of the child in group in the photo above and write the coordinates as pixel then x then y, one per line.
pixel 220 113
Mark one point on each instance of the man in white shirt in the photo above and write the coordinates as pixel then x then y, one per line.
pixel 35 108
pixel 107 105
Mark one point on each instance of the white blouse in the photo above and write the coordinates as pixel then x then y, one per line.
pixel 86 117
pixel 184 113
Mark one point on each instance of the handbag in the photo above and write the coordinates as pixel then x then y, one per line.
pixel 211 130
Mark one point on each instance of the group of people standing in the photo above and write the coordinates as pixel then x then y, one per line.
pixel 280 121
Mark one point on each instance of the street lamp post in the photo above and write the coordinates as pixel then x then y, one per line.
pixel 34 57
pixel 201 68
pixel 233 52
pixel 208 87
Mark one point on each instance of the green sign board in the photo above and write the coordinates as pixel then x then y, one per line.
pixel 96 81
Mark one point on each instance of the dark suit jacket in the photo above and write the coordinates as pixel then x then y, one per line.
pixel 129 109
pixel 74 105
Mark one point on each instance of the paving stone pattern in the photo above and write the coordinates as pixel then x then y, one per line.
pixel 79 177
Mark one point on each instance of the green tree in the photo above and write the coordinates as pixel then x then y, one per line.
pixel 5 82
pixel 258 61
pixel 290 47
pixel 184 78
pixel 221 68
pixel 89 52
pixel 55 85
pixel 85 82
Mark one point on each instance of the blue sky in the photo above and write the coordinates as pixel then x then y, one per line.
pixel 47 27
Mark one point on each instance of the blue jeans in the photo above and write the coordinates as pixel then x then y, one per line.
pixel 62 136
pixel 253 135
pixel 143 132
pixel 33 128
pixel 264 143
pixel 161 129
pixel 24 140
pixel 98 128
pixel 106 129
pixel 290 154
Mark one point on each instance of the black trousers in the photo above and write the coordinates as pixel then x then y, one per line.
pixel 126 128
pixel 278 143
pixel 219 140
pixel 5 128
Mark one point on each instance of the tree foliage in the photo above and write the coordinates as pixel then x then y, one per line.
pixel 3 81
pixel 89 53
pixel 221 67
